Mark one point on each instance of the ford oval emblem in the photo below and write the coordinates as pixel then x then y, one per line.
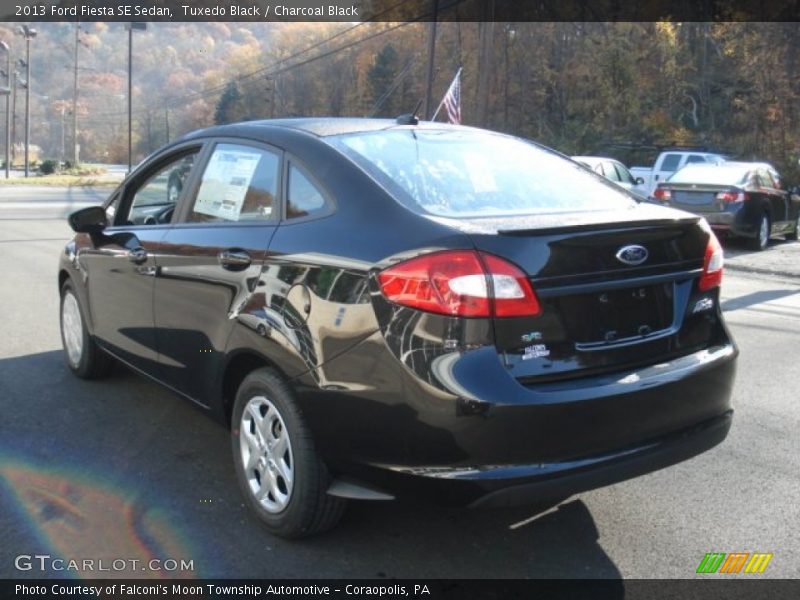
pixel 632 255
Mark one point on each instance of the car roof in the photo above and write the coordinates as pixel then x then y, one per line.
pixel 594 159
pixel 751 165
pixel 317 126
pixel 730 165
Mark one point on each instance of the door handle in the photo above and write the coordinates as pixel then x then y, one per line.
pixel 234 260
pixel 138 255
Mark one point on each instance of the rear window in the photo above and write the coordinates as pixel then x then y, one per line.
pixel 458 173
pixel 670 162
pixel 715 175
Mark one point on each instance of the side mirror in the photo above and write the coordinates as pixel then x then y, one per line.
pixel 795 191
pixel 91 219
pixel 639 180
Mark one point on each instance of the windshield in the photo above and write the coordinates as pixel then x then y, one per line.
pixel 462 173
pixel 714 175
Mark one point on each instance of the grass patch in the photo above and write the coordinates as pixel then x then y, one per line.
pixel 80 176
pixel 61 181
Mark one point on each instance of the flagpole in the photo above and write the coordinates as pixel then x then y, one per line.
pixel 438 108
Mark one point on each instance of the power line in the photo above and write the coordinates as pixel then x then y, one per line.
pixel 275 67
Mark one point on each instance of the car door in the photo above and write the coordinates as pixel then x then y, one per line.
pixel 670 163
pixel 210 261
pixel 315 288
pixel 627 181
pixel 778 201
pixel 121 265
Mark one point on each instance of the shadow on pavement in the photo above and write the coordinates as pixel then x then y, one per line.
pixel 122 468
pixel 755 298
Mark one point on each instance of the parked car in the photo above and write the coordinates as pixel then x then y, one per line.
pixel 736 198
pixel 615 171
pixel 670 161
pixel 382 310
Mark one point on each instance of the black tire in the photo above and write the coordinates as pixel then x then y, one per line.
pixel 91 362
pixel 309 510
pixel 757 243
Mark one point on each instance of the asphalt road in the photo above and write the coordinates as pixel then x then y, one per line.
pixel 122 469
pixel 41 202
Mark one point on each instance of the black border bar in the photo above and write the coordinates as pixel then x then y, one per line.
pixel 747 587
pixel 398 10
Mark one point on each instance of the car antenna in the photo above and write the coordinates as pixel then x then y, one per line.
pixel 410 118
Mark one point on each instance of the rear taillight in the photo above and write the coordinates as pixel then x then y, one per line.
pixel 712 265
pixel 732 196
pixel 662 195
pixel 462 283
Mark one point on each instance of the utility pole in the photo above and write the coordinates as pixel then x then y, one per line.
pixel 28 34
pixel 485 47
pixel 7 92
pixel 133 26
pixel 75 150
pixel 166 119
pixel 431 62
pixel 14 86
pixel 63 136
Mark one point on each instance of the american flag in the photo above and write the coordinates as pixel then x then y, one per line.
pixel 452 100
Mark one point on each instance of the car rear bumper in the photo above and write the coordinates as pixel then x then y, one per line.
pixel 560 480
pixel 733 220
pixel 519 485
pixel 524 442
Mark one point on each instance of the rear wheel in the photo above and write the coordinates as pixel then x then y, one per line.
pixel 761 240
pixel 82 354
pixel 283 480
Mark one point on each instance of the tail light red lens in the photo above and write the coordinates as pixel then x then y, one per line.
pixel 662 194
pixel 732 196
pixel 712 265
pixel 462 283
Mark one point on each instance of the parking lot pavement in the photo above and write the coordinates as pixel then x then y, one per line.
pixel 20 202
pixel 780 258
pixel 121 468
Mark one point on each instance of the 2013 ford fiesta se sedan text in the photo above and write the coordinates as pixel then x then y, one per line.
pixel 384 309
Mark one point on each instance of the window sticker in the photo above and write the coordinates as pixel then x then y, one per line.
pixel 225 183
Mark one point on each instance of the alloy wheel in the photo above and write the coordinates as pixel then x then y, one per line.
pixel 266 453
pixel 763 232
pixel 72 327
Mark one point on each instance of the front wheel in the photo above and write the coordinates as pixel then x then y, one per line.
pixel 762 234
pixel 82 354
pixel 283 480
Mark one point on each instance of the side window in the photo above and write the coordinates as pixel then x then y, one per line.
pixel 670 163
pixel 153 202
pixel 766 178
pixel 599 169
pixel 624 174
pixel 696 158
pixel 303 197
pixel 240 183
pixel 611 172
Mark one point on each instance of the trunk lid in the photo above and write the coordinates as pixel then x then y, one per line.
pixel 606 303
pixel 699 198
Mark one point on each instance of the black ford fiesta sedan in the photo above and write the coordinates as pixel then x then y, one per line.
pixel 382 310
